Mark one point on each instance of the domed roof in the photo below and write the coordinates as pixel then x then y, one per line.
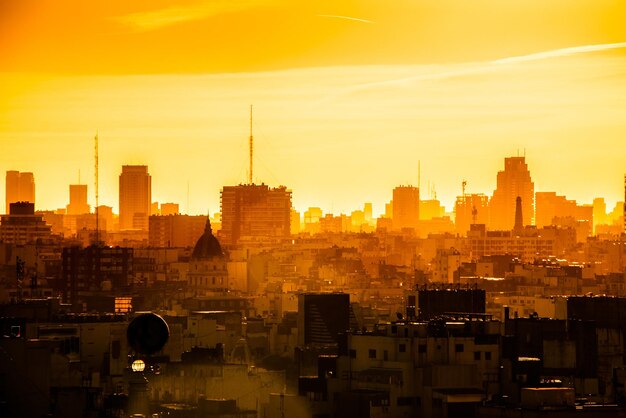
pixel 207 246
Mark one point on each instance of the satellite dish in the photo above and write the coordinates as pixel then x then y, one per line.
pixel 147 333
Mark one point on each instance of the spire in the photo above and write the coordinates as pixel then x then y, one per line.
pixel 519 220
pixel 207 226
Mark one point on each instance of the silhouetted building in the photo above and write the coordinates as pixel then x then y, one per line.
pixel 20 187
pixel 322 317
pixel 256 211
pixel 514 181
pixel 78 200
pixel 22 226
pixel 135 197
pixel 169 209
pixel 406 201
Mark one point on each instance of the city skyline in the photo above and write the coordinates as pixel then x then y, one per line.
pixel 347 97
pixel 379 206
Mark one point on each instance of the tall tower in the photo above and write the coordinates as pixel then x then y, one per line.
pixel 514 181
pixel 135 197
pixel 20 187
pixel 406 203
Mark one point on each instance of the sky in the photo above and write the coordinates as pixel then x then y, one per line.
pixel 348 96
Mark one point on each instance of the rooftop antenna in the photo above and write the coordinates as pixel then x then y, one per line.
pixel 419 174
pixel 463 184
pixel 251 144
pixel 96 187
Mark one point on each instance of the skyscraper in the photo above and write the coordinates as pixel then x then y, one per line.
pixel 20 187
pixel 514 181
pixel 135 197
pixel 253 210
pixel 78 200
pixel 406 201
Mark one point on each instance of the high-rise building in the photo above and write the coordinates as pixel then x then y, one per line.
pixel 255 211
pixel 78 200
pixel 135 197
pixel 470 209
pixel 514 181
pixel 406 201
pixel 20 187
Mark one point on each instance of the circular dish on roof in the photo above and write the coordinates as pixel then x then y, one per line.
pixel 147 333
pixel 207 246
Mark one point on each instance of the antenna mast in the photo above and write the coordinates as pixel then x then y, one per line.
pixel 96 185
pixel 251 144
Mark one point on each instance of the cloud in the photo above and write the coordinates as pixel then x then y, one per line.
pixel 354 19
pixel 481 67
pixel 563 52
pixel 156 19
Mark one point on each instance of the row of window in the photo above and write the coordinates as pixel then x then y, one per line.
pixel 421 348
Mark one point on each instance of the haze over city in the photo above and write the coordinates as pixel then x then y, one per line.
pixel 329 209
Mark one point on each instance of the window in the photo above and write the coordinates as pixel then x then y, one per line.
pixel 421 348
pixel 352 353
pixel 402 348
pixel 459 348
pixel 487 355
pixel 476 355
pixel 371 353
pixel 385 355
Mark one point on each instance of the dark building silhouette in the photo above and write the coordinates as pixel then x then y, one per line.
pixel 427 303
pixel 322 317
pixel 95 268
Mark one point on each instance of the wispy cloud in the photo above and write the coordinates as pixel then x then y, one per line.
pixel 481 67
pixel 156 19
pixel 563 52
pixel 354 19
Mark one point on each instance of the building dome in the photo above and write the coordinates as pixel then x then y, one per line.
pixel 207 246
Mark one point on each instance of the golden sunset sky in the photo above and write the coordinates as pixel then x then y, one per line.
pixel 347 95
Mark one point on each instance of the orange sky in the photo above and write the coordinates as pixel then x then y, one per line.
pixel 348 95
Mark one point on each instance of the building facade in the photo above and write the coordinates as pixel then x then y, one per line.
pixel 255 211
pixel 20 187
pixel 135 197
